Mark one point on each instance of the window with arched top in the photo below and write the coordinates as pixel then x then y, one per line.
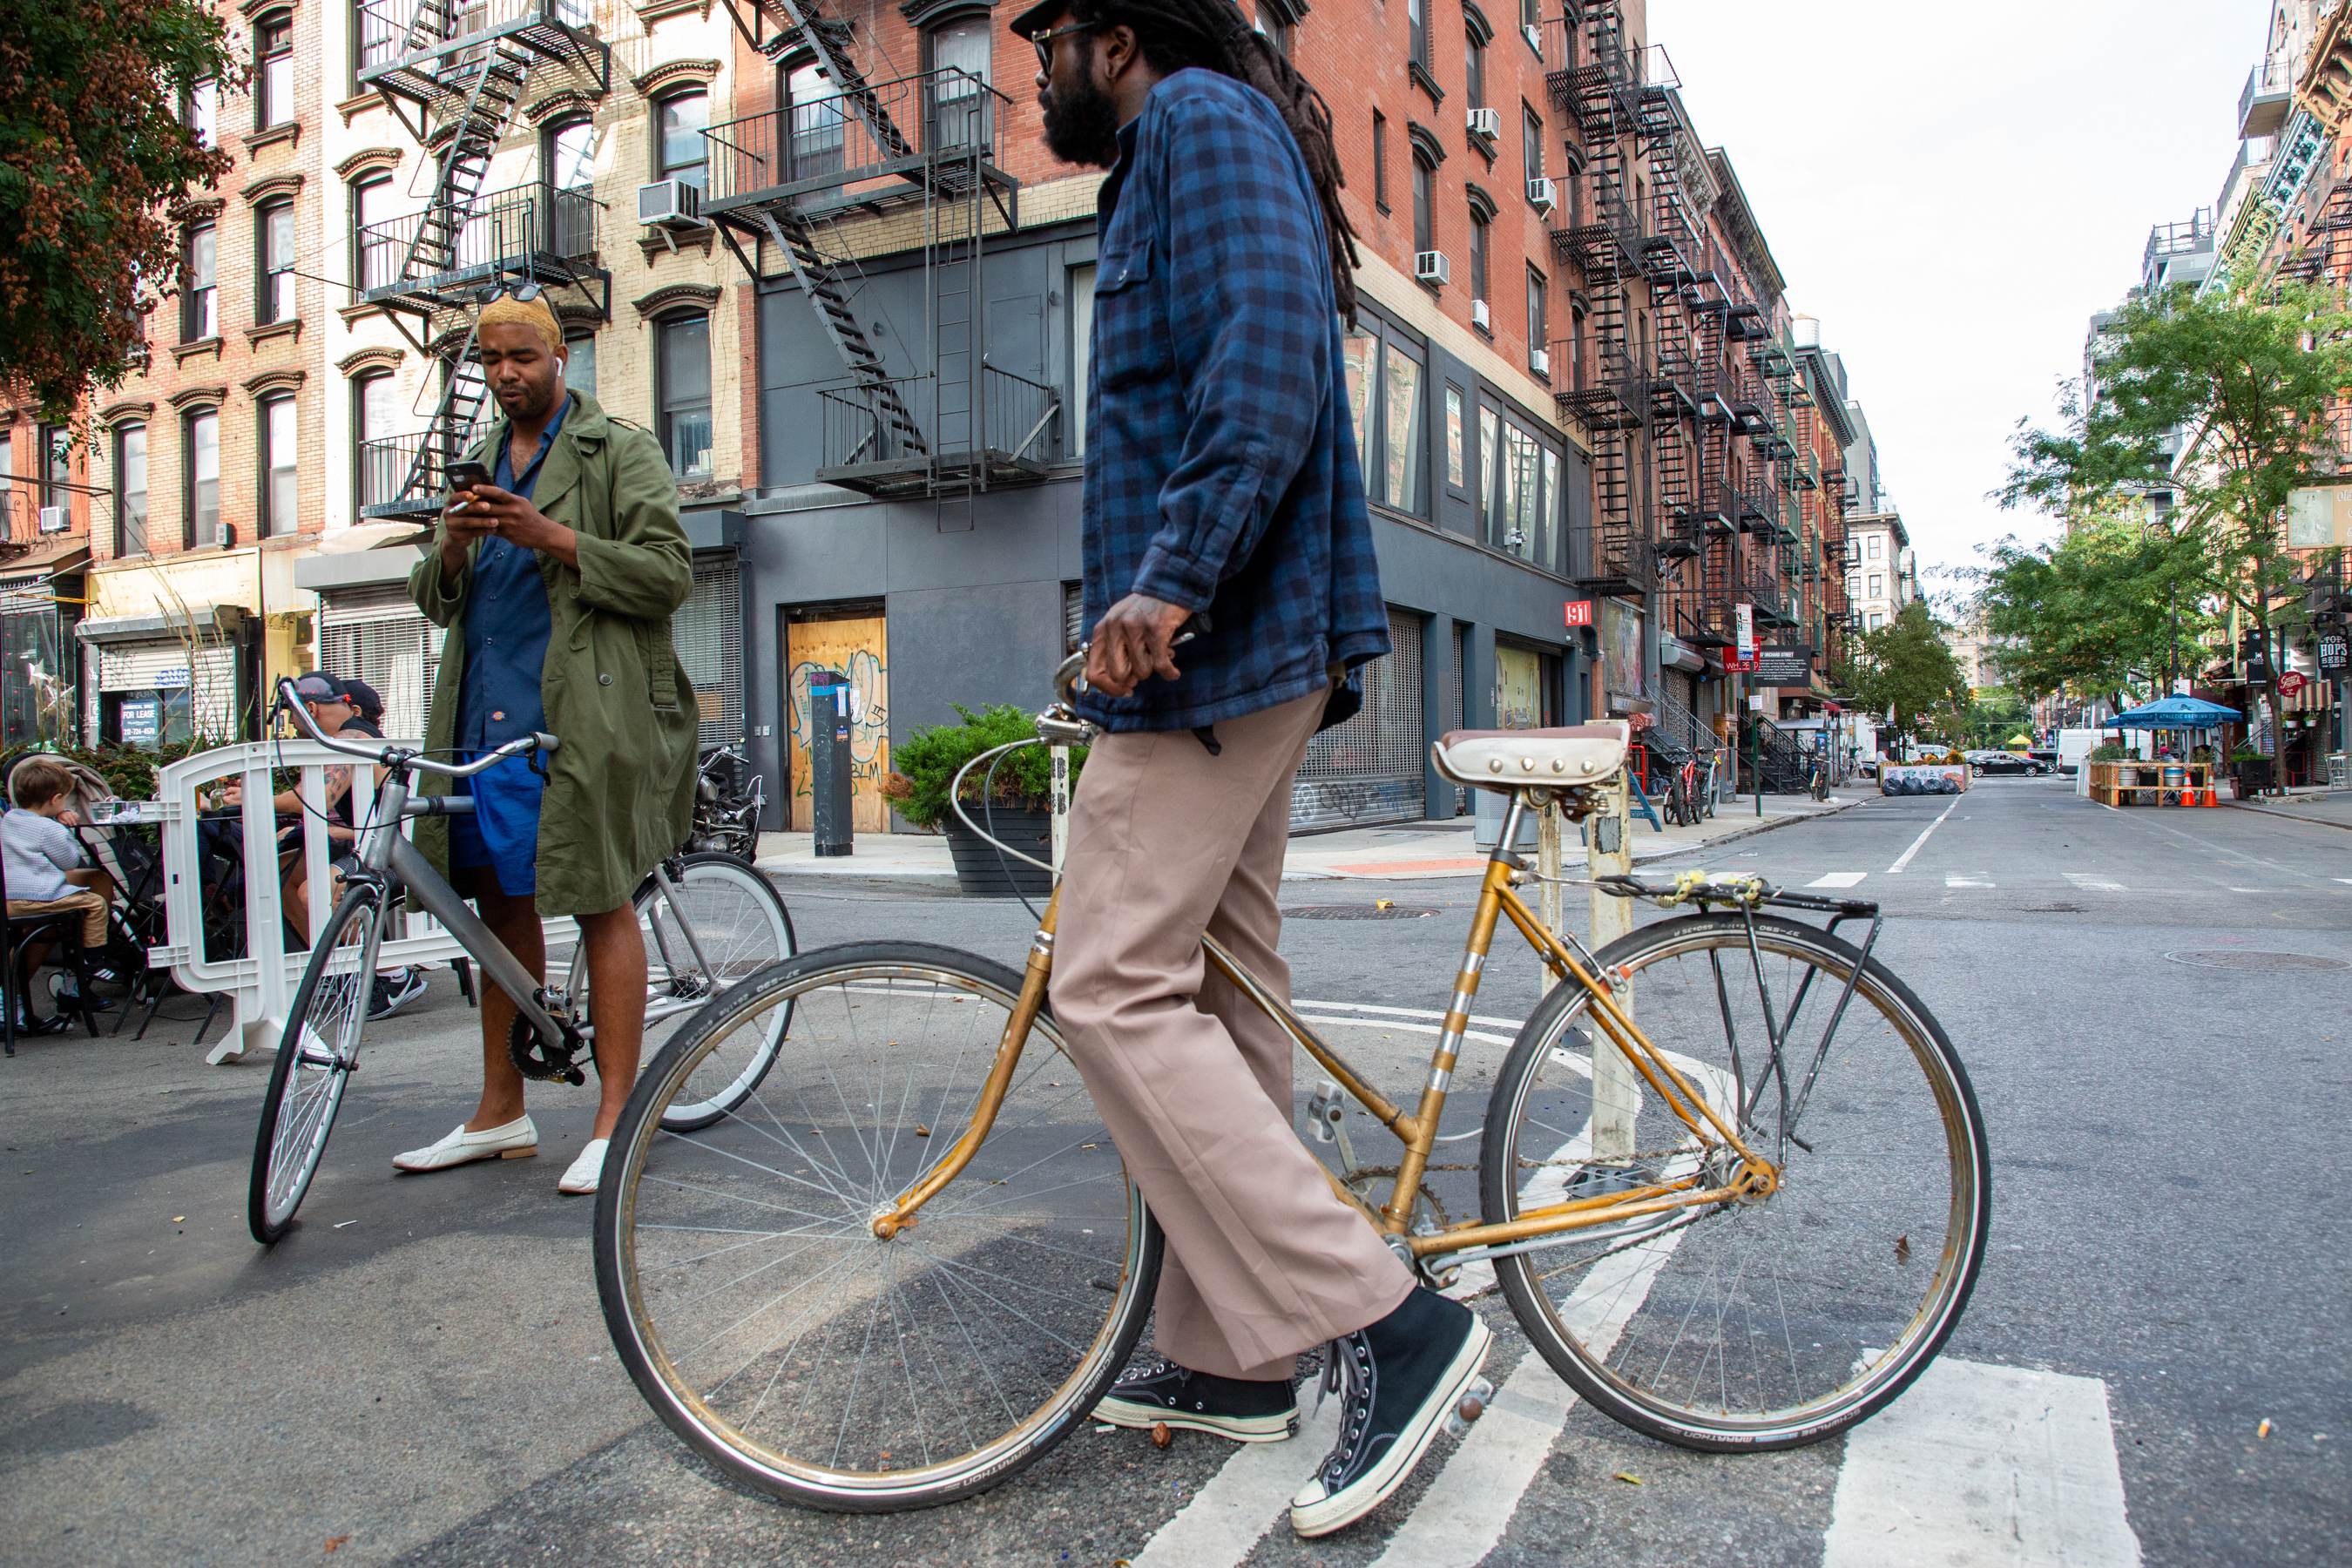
pixel 961 73
pixel 682 392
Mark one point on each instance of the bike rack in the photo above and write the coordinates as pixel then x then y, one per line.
pixel 263 982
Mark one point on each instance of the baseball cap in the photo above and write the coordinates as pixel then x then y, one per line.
pixel 1037 18
pixel 362 696
pixel 319 686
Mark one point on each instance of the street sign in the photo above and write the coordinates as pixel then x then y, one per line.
pixel 1743 620
pixel 1733 664
pixel 1580 612
pixel 1784 665
pixel 2293 681
pixel 2334 651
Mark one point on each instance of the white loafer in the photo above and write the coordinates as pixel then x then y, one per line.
pixel 516 1139
pixel 586 1171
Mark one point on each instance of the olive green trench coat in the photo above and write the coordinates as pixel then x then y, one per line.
pixel 621 790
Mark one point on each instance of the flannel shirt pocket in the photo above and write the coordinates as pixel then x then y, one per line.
pixel 1132 343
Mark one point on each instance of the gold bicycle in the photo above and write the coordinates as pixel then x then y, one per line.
pixel 1730 1176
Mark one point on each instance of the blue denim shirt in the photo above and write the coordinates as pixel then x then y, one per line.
pixel 507 624
pixel 1221 463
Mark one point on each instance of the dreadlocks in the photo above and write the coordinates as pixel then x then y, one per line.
pixel 1214 35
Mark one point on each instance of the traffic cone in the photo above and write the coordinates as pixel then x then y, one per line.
pixel 2210 797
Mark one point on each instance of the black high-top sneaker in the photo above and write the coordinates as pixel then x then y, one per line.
pixel 1244 1410
pixel 1403 1376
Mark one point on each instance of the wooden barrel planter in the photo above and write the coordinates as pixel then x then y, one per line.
pixel 981 871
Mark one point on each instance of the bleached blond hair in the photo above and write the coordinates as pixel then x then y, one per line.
pixel 508 311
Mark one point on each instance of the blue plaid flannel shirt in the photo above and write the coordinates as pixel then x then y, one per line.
pixel 1220 468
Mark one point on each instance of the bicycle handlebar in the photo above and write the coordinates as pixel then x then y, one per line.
pixel 395 756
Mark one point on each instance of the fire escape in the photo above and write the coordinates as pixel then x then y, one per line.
pixel 454 80
pixel 870 169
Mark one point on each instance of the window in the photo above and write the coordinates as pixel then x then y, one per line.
pixel 375 40
pixel 375 245
pixel 1531 144
pixel 580 365
pixel 679 151
pixel 1082 348
pixel 960 86
pixel 383 455
pixel 820 124
pixel 568 154
pixel 1416 16
pixel 1877 587
pixel 1380 160
pixel 131 490
pixel 1877 619
pixel 1473 69
pixel 1454 475
pixel 1877 541
pixel 8 485
pixel 1518 492
pixel 280 507
pixel 685 394
pixel 1273 25
pixel 199 299
pixel 273 242
pixel 273 80
pixel 1387 404
pixel 57 465
pixel 203 111
pixel 1538 322
pixel 1478 256
pixel 1531 18
pixel 200 473
pixel 1424 220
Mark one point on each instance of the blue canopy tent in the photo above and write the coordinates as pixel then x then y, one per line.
pixel 2176 713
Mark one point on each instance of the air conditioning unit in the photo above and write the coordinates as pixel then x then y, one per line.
pixel 54 520
pixel 222 533
pixel 1429 267
pixel 1478 316
pixel 1534 38
pixel 1543 193
pixel 670 204
pixel 1539 362
pixel 1488 122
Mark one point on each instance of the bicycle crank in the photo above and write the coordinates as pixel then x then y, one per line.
pixel 546 1060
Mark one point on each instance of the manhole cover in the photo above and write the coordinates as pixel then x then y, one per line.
pixel 1357 912
pixel 2268 962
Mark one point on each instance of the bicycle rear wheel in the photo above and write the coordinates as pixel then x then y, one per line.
pixel 315 1056
pixel 749 1299
pixel 1756 1324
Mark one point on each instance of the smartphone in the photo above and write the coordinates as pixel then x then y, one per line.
pixel 465 476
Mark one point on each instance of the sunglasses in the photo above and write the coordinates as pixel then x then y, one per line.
pixel 521 293
pixel 1044 42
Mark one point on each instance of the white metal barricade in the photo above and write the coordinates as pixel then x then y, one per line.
pixel 263 982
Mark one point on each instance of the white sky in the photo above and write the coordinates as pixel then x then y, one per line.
pixel 1954 191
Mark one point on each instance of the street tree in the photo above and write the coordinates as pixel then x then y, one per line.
pixel 2107 607
pixel 93 148
pixel 1904 668
pixel 2244 376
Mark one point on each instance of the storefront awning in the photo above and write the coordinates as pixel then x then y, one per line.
pixel 32 569
pixel 1675 654
pixel 136 628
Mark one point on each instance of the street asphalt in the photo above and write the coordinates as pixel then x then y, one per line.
pixel 420 1373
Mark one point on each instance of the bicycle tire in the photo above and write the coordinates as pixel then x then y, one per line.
pixel 1899 1169
pixel 678 1213
pixel 744 917
pixel 314 1064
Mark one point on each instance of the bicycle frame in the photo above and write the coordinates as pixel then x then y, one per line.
pixel 1750 1177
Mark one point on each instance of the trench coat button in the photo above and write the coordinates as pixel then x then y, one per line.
pixel 604 681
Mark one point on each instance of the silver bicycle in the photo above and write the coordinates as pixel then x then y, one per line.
pixel 709 921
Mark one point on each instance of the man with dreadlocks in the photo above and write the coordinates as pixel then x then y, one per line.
pixel 1222 495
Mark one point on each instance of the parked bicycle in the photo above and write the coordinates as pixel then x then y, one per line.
pixel 710 920
pixel 1730 1176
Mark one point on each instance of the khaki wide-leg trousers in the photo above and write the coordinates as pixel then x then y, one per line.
pixel 1167 841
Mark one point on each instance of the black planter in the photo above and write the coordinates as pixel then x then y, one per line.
pixel 2254 772
pixel 981 871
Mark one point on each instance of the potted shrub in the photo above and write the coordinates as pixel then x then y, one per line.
pixel 2251 769
pixel 1016 800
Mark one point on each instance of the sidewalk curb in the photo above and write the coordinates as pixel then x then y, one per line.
pixel 1767 826
pixel 2289 815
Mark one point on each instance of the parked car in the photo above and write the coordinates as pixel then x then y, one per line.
pixel 1988 764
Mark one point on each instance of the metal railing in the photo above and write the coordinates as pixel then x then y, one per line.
pixel 1015 420
pixel 383 467
pixel 505 228
pixel 828 142
pixel 395 30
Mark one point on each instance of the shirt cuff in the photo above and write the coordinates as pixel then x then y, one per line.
pixel 1173 579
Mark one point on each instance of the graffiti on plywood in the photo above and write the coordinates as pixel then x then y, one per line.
pixel 856 649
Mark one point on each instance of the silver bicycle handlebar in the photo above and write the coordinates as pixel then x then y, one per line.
pixel 389 756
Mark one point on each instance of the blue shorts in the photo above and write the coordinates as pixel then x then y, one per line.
pixel 503 832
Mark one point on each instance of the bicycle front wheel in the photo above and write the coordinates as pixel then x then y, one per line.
pixel 1751 1324
pixel 315 1056
pixel 750 1297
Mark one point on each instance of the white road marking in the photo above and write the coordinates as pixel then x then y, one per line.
pixel 2245 889
pixel 1916 843
pixel 1838 879
pixel 1955 881
pixel 1977 1465
pixel 1222 1522
pixel 2091 882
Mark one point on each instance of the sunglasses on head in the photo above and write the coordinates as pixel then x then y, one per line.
pixel 521 293
pixel 1044 42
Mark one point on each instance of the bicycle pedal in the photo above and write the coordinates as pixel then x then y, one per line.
pixel 1469 1407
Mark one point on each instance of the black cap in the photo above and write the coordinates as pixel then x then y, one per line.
pixel 1038 18
pixel 362 696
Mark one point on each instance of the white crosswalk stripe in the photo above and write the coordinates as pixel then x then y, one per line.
pixel 2092 882
pixel 1838 879
pixel 1977 1465
pixel 1955 881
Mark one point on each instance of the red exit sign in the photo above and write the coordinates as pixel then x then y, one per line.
pixel 1580 612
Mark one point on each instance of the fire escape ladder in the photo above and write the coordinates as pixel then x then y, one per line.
pixel 473 131
pixel 894 432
